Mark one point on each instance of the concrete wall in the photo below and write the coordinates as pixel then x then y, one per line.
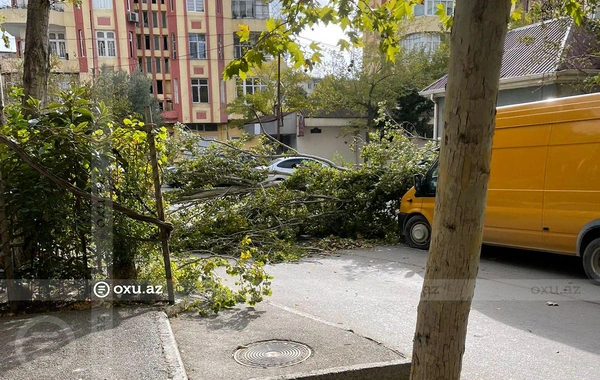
pixel 334 140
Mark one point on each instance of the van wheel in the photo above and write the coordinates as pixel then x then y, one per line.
pixel 417 232
pixel 591 260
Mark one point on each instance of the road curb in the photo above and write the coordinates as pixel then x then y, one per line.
pixel 175 368
pixel 392 370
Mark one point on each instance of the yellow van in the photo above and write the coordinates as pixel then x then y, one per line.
pixel 544 189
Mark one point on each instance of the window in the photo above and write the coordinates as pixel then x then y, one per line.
pixel 239 48
pixel 249 86
pixel 199 90
pixel 249 9
pixel 195 5
pixel 166 65
pixel 138 39
pixel 158 61
pixel 81 43
pixel 427 42
pixel 155 19
pixel 131 49
pixel 292 163
pixel 106 44
pixel 242 8
pixel 58 45
pixel 431 6
pixel 201 127
pixel 165 43
pixel 222 91
pixel 156 43
pixel 149 65
pixel 164 19
pixel 176 91
pixel 197 46
pixel 102 4
pixel 174 45
pixel 159 87
pixel 220 46
pixel 432 180
pixel 145 18
pixel 147 42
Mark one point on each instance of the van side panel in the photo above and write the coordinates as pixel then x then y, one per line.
pixel 572 195
pixel 515 191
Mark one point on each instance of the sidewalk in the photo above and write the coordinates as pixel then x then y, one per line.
pixel 117 343
pixel 207 346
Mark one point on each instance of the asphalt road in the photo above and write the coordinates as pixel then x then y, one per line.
pixel 513 333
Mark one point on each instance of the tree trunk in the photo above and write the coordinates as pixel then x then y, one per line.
pixel 36 65
pixel 477 42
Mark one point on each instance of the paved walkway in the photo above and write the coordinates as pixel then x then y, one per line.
pixel 115 343
pixel 207 345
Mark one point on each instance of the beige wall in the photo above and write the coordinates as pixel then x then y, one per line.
pixel 335 139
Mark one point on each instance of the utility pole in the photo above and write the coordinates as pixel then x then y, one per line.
pixel 279 116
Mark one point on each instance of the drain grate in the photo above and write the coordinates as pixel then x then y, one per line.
pixel 272 354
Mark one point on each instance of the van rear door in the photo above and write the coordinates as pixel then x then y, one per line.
pixel 515 191
pixel 572 191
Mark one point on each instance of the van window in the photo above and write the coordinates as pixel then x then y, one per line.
pixel 432 180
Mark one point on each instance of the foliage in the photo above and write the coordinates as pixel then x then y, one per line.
pixel 359 20
pixel 370 79
pixel 59 236
pixel 263 102
pixel 413 112
pixel 52 228
pixel 126 95
pixel 223 199
pixel 57 80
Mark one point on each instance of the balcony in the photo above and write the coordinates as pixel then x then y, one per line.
pixel 249 9
pixel 22 4
pixel 15 17
pixel 170 117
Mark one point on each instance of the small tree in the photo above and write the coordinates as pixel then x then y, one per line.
pixel 125 94
pixel 257 94
pixel 370 79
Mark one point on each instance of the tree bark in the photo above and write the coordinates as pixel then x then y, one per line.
pixel 477 42
pixel 36 65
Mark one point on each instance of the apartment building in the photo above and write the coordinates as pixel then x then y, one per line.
pixel 183 45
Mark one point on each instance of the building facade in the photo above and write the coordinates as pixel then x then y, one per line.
pixel 183 45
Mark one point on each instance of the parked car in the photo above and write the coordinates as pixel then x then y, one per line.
pixel 281 168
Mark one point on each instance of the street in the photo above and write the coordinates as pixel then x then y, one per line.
pixel 513 332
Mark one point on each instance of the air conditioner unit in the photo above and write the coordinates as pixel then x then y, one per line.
pixel 133 17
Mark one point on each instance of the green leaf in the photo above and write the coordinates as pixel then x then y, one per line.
pixel 271 25
pixel 344 45
pixel 243 32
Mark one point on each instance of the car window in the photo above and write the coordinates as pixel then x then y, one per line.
pixel 432 180
pixel 289 164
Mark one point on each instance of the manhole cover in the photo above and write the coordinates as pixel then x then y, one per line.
pixel 272 353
